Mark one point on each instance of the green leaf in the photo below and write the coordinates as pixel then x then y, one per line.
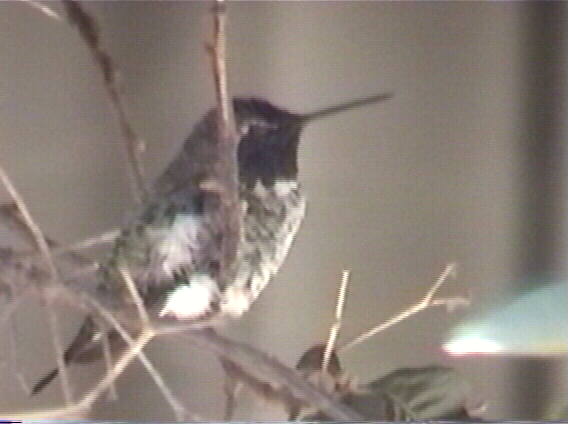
pixel 424 393
pixel 406 394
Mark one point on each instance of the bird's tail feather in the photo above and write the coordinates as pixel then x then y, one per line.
pixel 41 384
pixel 82 345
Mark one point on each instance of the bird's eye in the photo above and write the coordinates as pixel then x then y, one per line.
pixel 256 127
pixel 244 128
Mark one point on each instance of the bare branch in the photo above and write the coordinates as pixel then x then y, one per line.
pixel 90 33
pixel 54 329
pixel 428 301
pixel 43 247
pixel 80 408
pixel 224 178
pixel 336 326
pixel 266 391
pixel 219 64
pixel 127 277
pixel 179 410
pixel 120 365
pixel 11 216
pixel 107 356
pixel 104 238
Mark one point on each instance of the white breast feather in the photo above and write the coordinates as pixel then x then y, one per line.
pixel 190 301
pixel 238 299
pixel 175 247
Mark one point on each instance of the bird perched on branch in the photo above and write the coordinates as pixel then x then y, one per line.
pixel 171 248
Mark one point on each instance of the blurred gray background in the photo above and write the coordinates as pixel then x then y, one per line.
pixel 467 163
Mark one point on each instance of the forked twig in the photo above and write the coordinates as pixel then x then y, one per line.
pixel 54 276
pixel 80 408
pixel 336 326
pixel 258 363
pixel 180 411
pixel 141 341
pixel 236 375
pixel 426 302
pixel 90 33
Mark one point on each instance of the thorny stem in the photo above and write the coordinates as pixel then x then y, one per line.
pixel 260 364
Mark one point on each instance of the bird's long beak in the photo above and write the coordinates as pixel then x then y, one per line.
pixel 332 110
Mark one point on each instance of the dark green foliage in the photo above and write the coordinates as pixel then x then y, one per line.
pixel 410 394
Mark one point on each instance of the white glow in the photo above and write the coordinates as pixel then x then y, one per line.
pixel 472 345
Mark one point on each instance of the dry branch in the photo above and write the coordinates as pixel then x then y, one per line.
pixel 428 301
pixel 336 326
pixel 41 243
pixel 89 30
pixel 224 171
pixel 255 363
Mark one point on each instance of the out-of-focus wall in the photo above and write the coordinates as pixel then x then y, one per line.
pixel 437 174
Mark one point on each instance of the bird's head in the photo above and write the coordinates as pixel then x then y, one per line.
pixel 268 148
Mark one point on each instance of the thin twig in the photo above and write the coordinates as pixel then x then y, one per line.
pixel 426 302
pixel 43 247
pixel 80 408
pixel 46 10
pixel 90 33
pixel 33 228
pixel 9 309
pixel 10 215
pixel 224 170
pixel 138 302
pixel 15 357
pixel 104 238
pixel 107 356
pixel 179 410
pixel 336 326
pixel 120 365
pixel 218 53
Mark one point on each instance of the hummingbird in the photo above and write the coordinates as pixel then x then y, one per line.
pixel 169 246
